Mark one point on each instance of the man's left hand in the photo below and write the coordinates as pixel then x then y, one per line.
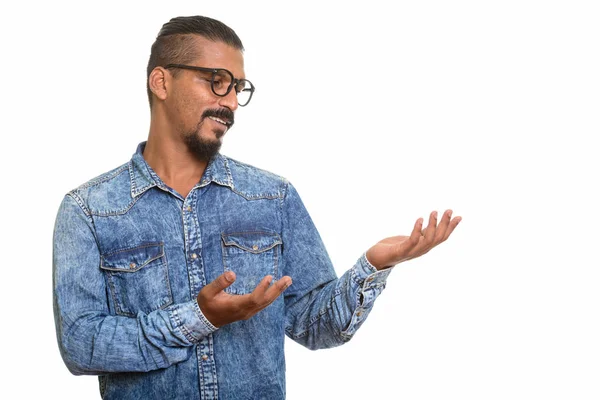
pixel 396 249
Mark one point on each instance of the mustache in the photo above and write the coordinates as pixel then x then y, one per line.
pixel 221 113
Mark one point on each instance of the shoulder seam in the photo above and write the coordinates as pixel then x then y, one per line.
pixel 103 178
pixel 243 164
pixel 73 194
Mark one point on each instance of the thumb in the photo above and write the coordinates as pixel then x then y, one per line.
pixel 223 281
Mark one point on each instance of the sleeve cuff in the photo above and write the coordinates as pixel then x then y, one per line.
pixel 190 320
pixel 369 284
pixel 367 276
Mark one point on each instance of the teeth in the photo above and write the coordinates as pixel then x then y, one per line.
pixel 218 120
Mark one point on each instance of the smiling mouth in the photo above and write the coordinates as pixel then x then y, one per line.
pixel 220 121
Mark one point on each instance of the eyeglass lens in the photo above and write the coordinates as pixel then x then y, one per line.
pixel 222 80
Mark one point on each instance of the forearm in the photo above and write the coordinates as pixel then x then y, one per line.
pixel 93 342
pixel 91 337
pixel 331 314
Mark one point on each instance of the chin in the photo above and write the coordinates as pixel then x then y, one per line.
pixel 204 148
pixel 219 133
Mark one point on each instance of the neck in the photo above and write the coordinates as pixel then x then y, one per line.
pixel 172 161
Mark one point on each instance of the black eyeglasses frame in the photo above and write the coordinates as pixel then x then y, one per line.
pixel 214 71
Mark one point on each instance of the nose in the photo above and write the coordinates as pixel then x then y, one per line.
pixel 230 100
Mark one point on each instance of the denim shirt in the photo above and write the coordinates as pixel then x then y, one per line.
pixel 130 255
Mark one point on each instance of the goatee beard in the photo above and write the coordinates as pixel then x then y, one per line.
pixel 203 149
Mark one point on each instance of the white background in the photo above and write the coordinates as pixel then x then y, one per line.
pixel 378 114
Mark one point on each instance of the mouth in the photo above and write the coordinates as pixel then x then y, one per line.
pixel 221 121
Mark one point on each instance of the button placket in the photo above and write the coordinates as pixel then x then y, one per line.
pixel 193 247
pixel 187 210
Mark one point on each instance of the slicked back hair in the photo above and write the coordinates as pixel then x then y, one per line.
pixel 175 42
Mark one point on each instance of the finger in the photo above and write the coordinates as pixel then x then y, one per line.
pixel 455 221
pixel 407 247
pixel 416 234
pixel 255 299
pixel 223 281
pixel 263 285
pixel 276 290
pixel 263 294
pixel 431 227
pixel 443 227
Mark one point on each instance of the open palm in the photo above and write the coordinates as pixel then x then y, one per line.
pixel 396 249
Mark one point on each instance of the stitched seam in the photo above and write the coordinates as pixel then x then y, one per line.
pixel 275 262
pixel 228 171
pixel 355 277
pixel 129 270
pixel 135 191
pixel 136 247
pixel 249 232
pixel 259 196
pixel 317 318
pixel 102 179
pixel 181 327
pixel 170 293
pixel 225 245
pixel 75 196
pixel 204 320
pixel 280 211
pixel 113 294
pixel 131 177
pixel 249 249
pixel 85 210
pixel 119 212
pixel 225 267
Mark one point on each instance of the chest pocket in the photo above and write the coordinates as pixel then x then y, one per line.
pixel 138 278
pixel 252 256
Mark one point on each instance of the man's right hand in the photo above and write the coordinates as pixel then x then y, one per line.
pixel 222 308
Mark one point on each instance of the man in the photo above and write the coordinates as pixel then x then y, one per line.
pixel 178 274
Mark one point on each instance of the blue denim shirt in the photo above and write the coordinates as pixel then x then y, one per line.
pixel 130 255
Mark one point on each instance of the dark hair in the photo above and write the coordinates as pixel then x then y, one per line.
pixel 175 42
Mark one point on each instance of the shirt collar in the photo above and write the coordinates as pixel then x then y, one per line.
pixel 143 176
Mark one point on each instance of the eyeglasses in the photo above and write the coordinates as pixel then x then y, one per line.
pixel 222 81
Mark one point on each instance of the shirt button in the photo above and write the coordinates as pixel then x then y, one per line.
pixel 204 357
pixel 132 265
pixel 188 208
pixel 194 256
pixel 255 247
pixel 370 279
pixel 358 314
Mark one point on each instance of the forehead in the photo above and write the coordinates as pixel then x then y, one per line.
pixel 218 55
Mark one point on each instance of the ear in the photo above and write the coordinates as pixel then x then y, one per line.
pixel 158 82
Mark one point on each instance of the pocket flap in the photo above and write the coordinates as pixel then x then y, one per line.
pixel 254 242
pixel 131 260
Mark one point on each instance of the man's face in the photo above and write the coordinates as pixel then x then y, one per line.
pixel 199 116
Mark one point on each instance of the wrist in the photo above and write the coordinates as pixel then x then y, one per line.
pixel 372 260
